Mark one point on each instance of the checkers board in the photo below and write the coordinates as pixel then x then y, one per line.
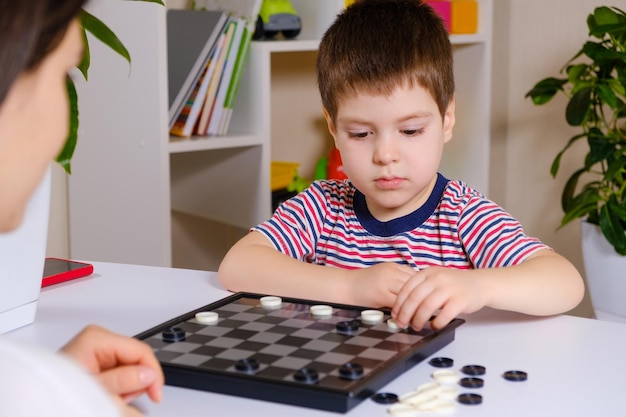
pixel 287 355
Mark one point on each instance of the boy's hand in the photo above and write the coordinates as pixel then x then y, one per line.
pixel 379 285
pixel 125 366
pixel 451 291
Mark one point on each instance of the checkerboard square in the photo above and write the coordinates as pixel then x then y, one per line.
pixel 322 326
pixel 165 356
pixel 216 331
pixel 198 338
pixel 266 358
pixel 291 363
pixel 270 320
pixel 256 326
pixel 217 364
pixel 267 338
pixel 190 359
pixel 294 341
pixel 235 354
pixel 349 349
pixel 362 341
pixel 231 324
pixel 235 307
pixel 379 354
pixel 209 351
pixel 309 333
pixel 336 358
pixel 285 330
pixel 280 350
pixel 321 345
pixel 240 334
pixel 306 353
pixel 247 317
pixel 181 347
pixel 224 342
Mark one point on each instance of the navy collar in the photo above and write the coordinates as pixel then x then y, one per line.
pixel 401 224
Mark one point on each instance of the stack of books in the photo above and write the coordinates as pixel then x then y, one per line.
pixel 207 51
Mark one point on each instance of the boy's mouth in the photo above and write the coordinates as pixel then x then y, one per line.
pixel 389 183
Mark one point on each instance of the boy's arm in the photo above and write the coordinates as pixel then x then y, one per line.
pixel 544 284
pixel 254 265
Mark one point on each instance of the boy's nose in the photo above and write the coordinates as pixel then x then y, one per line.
pixel 386 151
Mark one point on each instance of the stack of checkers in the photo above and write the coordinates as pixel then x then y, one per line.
pixel 441 395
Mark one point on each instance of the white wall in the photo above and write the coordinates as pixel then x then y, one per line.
pixel 58 244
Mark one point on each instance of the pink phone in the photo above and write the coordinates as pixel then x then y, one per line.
pixel 58 270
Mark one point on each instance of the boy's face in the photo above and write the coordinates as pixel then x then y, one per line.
pixel 391 147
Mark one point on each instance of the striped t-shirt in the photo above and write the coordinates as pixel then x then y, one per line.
pixel 329 224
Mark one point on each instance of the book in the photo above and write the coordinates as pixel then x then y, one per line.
pixel 209 102
pixel 248 11
pixel 191 37
pixel 183 119
pixel 189 115
pixel 233 88
pixel 231 57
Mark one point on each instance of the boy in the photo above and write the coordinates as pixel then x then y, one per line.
pixel 397 233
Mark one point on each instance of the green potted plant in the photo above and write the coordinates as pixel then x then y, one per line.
pixel 594 82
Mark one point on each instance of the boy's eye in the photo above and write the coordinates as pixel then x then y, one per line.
pixel 358 135
pixel 413 132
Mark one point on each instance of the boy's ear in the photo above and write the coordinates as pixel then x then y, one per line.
pixel 449 118
pixel 329 121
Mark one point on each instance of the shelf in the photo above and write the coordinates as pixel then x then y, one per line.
pixel 295 45
pixel 198 143
pixel 468 39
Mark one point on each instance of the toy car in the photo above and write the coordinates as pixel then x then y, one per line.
pixel 277 16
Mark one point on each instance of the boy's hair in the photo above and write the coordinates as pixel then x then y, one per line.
pixel 375 46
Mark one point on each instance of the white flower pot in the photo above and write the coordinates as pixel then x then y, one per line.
pixel 22 255
pixel 605 270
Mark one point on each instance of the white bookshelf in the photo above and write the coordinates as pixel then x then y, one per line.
pixel 138 196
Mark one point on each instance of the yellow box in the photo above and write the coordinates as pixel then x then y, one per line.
pixel 282 173
pixel 464 17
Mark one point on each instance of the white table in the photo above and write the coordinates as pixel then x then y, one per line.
pixel 576 366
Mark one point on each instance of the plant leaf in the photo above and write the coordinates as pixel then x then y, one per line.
pixel 569 189
pixel 605 16
pixel 85 60
pixel 607 95
pixel 615 170
pixel 577 72
pixel 612 227
pixel 584 209
pixel 151 1
pixel 65 156
pixel 554 169
pixel 545 89
pixel 102 32
pixel 617 86
pixel 600 147
pixel 578 107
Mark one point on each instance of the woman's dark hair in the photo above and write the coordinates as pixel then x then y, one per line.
pixel 29 31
